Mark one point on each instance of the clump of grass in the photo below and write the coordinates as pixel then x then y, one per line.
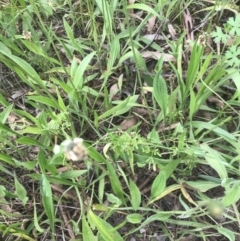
pixel 82 69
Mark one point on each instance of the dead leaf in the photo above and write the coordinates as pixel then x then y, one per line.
pixel 148 88
pixel 17 94
pixel 231 40
pixel 215 100
pixel 105 150
pixel 11 118
pixel 188 238
pixel 154 37
pixel 131 12
pixel 140 111
pixel 137 15
pixel 162 128
pixel 131 2
pixel 159 237
pixel 151 23
pixel 157 55
pixel 171 30
pixel 8 209
pixel 77 60
pixel 113 92
pixel 188 25
pixel 128 123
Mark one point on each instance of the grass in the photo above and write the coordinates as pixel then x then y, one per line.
pixel 158 115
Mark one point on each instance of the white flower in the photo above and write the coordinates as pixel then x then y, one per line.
pixel 56 149
pixel 73 149
pixel 78 140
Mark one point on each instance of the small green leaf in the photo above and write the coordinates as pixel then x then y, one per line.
pixel 6 158
pixel 37 49
pixel 5 49
pixel 161 216
pixel 232 56
pixel 35 216
pixel 46 101
pixel 135 195
pixel 192 104
pixel 113 54
pixel 27 68
pixel 193 69
pixel 87 232
pixel 73 67
pixel 29 165
pixel 115 183
pixel 61 102
pixel 154 136
pixel 121 108
pixel 47 201
pixel 69 30
pixel 29 141
pixel 200 125
pixel 6 129
pixel 134 218
pixel 202 186
pixel 113 199
pixel 215 160
pixel 219 36
pixel 5 113
pixel 144 7
pixel 227 233
pixel 159 184
pixel 31 130
pixel 3 169
pixel 3 101
pixel 160 92
pixel 20 191
pixel 78 80
pixel 232 195
pixel 170 167
pixel 234 23
pixel 94 154
pixel 100 207
pixel 2 191
pixel 107 232
pixel 72 174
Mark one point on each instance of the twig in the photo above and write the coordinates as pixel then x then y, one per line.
pixel 66 221
pixel 156 34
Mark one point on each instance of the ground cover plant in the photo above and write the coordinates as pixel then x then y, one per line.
pixel 119 120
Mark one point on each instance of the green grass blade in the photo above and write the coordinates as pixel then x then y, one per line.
pixel 29 141
pixel 27 68
pixel 20 191
pixel 134 218
pixel 47 200
pixel 5 113
pixel 144 7
pixel 87 232
pixel 121 108
pixel 107 232
pixel 115 183
pixel 160 93
pixel 162 216
pixel 158 185
pixel 45 100
pixel 215 161
pixel 135 195
pixel 232 195
pixel 227 233
pixel 78 80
